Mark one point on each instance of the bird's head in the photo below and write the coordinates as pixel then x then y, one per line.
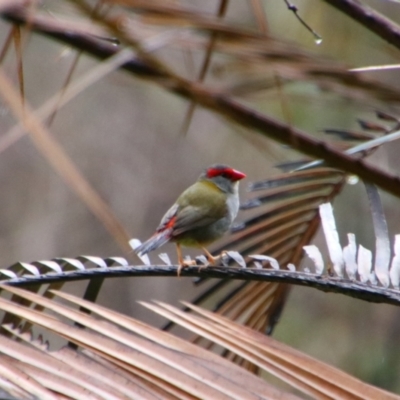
pixel 226 178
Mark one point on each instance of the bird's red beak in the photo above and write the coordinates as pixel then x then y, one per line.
pixel 237 175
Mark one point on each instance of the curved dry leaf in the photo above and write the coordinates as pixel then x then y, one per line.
pixel 29 386
pixel 315 255
pixel 382 242
pixel 69 381
pixel 191 374
pixel 332 238
pixel 120 354
pixel 364 262
pixel 287 218
pixel 318 375
pixel 349 256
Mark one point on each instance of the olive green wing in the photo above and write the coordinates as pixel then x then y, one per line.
pixel 200 205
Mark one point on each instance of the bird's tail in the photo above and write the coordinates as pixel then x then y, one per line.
pixel 154 242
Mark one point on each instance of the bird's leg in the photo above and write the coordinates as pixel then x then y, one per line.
pixel 181 261
pixel 211 259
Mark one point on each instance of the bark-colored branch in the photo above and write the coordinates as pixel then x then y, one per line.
pixel 370 19
pixel 217 102
pixel 371 293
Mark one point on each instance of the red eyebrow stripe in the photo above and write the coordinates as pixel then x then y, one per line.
pixel 214 172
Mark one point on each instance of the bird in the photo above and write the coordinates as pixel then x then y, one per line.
pixel 200 215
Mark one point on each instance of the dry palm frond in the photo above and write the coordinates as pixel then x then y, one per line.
pixel 350 269
pixel 287 217
pixel 120 357
pixel 164 365
pixel 286 220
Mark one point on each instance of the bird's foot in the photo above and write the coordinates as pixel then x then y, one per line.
pixel 204 266
pixel 212 260
pixel 220 258
pixel 185 263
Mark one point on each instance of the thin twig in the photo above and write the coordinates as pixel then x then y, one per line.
pixel 259 14
pixel 370 19
pixel 20 69
pixel 70 74
pixel 295 10
pixel 7 44
pixel 223 6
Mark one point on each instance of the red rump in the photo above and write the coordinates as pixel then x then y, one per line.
pixel 230 173
pixel 171 222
